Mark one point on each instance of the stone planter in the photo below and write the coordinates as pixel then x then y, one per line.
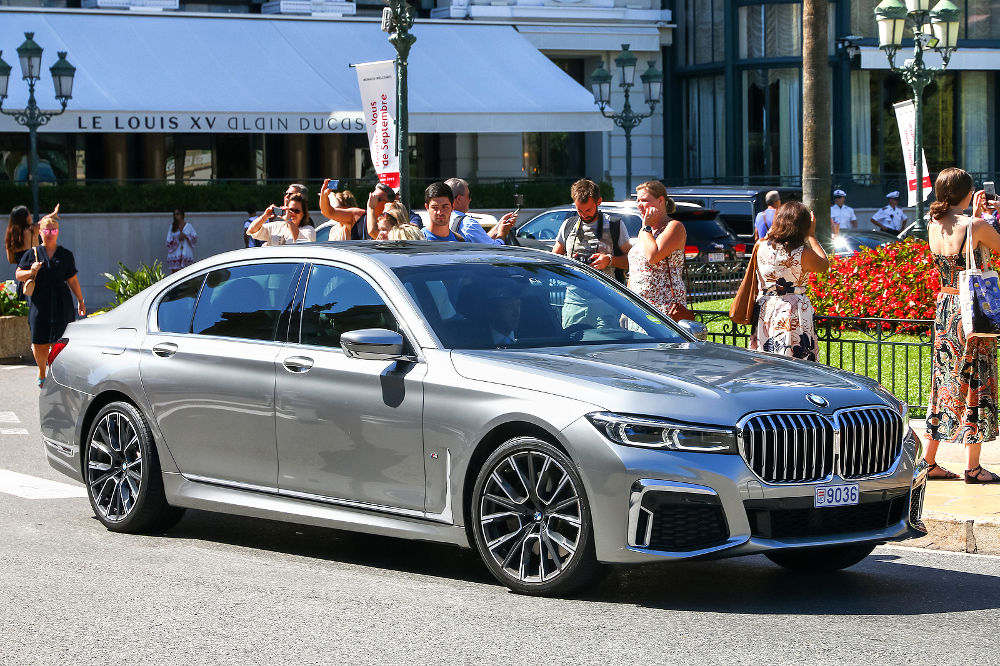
pixel 15 338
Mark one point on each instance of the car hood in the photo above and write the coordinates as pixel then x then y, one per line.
pixel 700 382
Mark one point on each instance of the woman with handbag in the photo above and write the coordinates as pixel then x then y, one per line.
pixel 656 261
pixel 51 271
pixel 21 236
pixel 962 406
pixel 784 323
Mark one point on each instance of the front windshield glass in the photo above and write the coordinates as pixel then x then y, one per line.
pixel 517 305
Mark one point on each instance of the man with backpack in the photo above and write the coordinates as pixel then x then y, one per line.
pixel 594 238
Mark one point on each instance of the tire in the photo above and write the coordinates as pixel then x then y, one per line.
pixel 531 521
pixel 122 473
pixel 827 558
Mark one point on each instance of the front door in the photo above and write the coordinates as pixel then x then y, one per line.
pixel 348 429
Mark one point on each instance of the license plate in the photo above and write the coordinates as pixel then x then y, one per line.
pixel 716 256
pixel 841 495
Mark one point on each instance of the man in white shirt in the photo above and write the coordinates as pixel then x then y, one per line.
pixel 841 215
pixel 467 226
pixel 891 218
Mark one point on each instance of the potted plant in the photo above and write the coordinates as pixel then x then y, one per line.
pixel 15 336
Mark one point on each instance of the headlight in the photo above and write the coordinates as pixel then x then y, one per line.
pixel 653 433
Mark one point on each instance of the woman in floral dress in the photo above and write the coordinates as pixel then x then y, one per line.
pixel 785 257
pixel 656 261
pixel 962 406
pixel 180 243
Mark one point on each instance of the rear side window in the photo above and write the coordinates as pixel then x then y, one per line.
pixel 338 301
pixel 545 226
pixel 173 315
pixel 245 301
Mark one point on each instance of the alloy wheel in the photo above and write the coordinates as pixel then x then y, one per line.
pixel 114 466
pixel 531 516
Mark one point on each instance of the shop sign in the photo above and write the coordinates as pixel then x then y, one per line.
pixel 215 123
pixel 906 119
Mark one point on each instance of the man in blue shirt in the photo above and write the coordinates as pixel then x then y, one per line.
pixel 249 241
pixel 466 225
pixel 439 200
pixel 762 224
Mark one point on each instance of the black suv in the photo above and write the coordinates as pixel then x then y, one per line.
pixel 738 206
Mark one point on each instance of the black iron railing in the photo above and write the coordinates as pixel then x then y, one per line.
pixel 707 281
pixel 894 352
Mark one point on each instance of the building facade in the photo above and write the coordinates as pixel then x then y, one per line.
pixel 178 91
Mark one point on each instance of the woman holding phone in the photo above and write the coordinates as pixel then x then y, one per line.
pixel 296 227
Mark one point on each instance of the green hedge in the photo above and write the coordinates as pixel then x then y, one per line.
pixel 152 198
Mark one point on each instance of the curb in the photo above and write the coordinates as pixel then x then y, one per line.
pixel 959 534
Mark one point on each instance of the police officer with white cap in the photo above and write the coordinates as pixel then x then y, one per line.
pixel 841 216
pixel 890 218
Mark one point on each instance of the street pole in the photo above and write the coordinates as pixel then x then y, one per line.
pixel 935 29
pixel 31 117
pixel 400 16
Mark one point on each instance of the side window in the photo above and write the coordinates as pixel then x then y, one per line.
pixel 244 301
pixel 338 301
pixel 545 226
pixel 173 315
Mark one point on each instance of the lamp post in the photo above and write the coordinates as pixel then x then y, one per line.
pixel 933 29
pixel 30 55
pixel 397 19
pixel 652 82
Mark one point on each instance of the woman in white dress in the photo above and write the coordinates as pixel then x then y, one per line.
pixel 181 240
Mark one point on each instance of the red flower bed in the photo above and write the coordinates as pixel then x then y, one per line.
pixel 896 281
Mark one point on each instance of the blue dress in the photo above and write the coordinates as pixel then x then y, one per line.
pixel 51 304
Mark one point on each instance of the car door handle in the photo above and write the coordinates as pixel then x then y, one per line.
pixel 165 349
pixel 297 363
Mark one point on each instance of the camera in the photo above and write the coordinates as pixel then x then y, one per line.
pixel 518 200
pixel 278 211
pixel 990 189
pixel 582 258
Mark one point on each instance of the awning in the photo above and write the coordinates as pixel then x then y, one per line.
pixel 265 74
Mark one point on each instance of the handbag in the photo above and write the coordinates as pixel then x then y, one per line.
pixel 678 311
pixel 979 295
pixel 29 284
pixel 745 302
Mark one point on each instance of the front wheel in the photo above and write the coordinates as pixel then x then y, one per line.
pixel 123 476
pixel 531 520
pixel 826 558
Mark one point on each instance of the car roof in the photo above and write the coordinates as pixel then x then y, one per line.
pixel 390 254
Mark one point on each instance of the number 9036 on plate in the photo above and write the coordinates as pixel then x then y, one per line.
pixel 845 494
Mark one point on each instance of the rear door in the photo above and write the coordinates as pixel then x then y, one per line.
pixel 207 368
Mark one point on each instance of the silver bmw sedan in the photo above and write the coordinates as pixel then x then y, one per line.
pixel 492 397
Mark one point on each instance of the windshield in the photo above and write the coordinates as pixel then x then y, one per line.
pixel 516 305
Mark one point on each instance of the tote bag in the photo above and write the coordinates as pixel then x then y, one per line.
pixel 741 311
pixel 979 295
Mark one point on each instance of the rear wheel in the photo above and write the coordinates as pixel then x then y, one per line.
pixel 123 477
pixel 827 558
pixel 531 519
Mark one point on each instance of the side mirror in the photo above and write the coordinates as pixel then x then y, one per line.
pixel 695 329
pixel 377 344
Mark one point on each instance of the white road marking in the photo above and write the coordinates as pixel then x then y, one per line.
pixel 32 487
pixel 9 417
pixel 13 431
pixel 13 367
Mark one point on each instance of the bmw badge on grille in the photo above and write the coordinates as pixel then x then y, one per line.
pixel 817 400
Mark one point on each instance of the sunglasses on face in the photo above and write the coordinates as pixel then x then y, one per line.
pixel 49 232
pixel 295 210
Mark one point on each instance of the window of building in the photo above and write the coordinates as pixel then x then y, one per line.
pixel 700 31
pixel 772 122
pixel 980 19
pixel 704 127
pixel 244 301
pixel 769 31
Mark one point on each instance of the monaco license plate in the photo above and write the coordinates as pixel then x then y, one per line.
pixel 716 256
pixel 845 494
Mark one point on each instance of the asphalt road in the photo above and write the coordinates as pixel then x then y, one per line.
pixel 225 590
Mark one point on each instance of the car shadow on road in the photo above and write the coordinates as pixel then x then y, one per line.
pixel 883 584
pixel 380 552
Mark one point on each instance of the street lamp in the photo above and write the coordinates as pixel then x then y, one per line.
pixel 652 82
pixel 933 29
pixel 397 19
pixel 30 55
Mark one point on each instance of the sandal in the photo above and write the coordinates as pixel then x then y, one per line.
pixel 974 475
pixel 942 475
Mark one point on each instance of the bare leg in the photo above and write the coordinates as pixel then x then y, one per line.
pixel 930 453
pixel 41 354
pixel 930 456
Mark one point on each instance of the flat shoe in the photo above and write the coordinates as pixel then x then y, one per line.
pixel 942 473
pixel 973 475
pixel 41 382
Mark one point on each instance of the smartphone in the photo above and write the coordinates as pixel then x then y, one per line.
pixel 990 189
pixel 518 201
pixel 334 183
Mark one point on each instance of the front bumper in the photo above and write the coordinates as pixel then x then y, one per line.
pixel 660 505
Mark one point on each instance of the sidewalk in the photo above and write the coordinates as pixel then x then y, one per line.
pixel 959 516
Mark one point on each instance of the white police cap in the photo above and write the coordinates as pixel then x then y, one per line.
pixel 893 195
pixel 839 193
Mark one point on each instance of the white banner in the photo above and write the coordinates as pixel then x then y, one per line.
pixel 377 81
pixel 906 119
